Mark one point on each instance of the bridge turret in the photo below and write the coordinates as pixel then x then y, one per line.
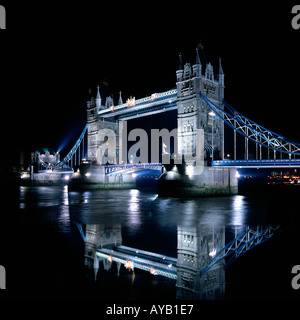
pixel 179 72
pixel 209 72
pixel 221 81
pixel 98 98
pixel 120 98
pixel 197 68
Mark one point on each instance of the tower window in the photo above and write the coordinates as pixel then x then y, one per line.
pixel 188 238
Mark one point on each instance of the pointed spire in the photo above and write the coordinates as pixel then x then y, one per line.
pixel 180 67
pixel 98 92
pixel 197 56
pixel 120 98
pixel 98 98
pixel 221 73
pixel 197 68
pixel 220 67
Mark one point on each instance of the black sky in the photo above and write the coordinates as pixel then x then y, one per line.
pixel 52 54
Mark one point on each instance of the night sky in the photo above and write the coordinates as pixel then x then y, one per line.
pixel 51 55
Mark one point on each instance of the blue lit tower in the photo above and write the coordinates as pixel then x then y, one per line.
pixel 193 113
pixel 100 236
pixel 92 125
pixel 98 152
pixel 196 246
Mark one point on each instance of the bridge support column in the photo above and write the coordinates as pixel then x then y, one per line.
pixel 211 182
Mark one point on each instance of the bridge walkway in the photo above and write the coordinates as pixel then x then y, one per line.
pixel 158 268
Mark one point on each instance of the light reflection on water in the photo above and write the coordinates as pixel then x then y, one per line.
pixel 146 221
pixel 138 211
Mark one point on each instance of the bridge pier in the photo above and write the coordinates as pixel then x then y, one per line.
pixel 94 177
pixel 210 182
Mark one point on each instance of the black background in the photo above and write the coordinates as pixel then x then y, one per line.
pixel 52 54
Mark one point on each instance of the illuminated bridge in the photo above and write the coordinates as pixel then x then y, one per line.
pixel 201 110
pixel 271 150
pixel 111 250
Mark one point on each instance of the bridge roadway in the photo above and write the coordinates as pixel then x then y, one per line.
pixel 264 163
pixel 131 167
pixel 148 261
pixel 156 103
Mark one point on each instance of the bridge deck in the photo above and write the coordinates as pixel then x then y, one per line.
pixel 264 163
pixel 157 268
pixel 156 103
pixel 147 255
pixel 121 168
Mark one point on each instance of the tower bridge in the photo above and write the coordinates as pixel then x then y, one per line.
pixel 199 142
pixel 203 254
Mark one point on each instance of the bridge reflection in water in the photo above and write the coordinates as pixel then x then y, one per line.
pixel 203 254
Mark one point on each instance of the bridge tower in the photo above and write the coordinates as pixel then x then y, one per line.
pixel 92 125
pixel 196 245
pixel 193 113
pixel 100 236
pixel 99 130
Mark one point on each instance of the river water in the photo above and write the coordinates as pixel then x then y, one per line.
pixel 43 250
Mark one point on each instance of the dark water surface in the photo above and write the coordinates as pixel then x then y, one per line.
pixel 43 251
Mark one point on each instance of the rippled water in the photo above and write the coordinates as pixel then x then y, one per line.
pixel 141 212
pixel 52 249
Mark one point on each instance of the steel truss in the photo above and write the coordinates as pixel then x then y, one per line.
pixel 73 150
pixel 240 245
pixel 63 163
pixel 253 131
